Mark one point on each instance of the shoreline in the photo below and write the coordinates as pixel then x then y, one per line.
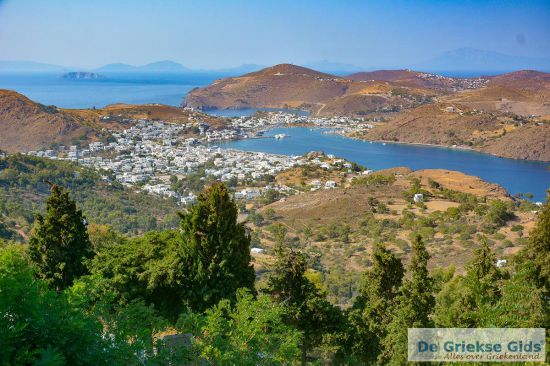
pixel 420 144
pixel 454 147
pixel 339 131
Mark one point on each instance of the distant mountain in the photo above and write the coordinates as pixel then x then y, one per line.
pixel 160 66
pixel 164 66
pixel 29 66
pixel 335 68
pixel 471 59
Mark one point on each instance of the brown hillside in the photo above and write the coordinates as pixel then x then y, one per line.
pixel 281 86
pixel 26 125
pixel 376 213
pixel 289 86
pixel 454 124
pixel 155 112
pixel 530 142
pixel 522 92
pixel 523 79
pixel 417 79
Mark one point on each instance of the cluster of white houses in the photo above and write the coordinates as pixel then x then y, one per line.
pixel 252 125
pixel 150 152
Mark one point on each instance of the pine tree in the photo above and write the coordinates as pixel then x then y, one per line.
pixel 372 308
pixel 215 255
pixel 59 244
pixel 414 307
pixel 306 306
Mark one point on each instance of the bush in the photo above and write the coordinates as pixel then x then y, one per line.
pixel 498 213
pixel 517 227
pixel 374 180
pixel 43 327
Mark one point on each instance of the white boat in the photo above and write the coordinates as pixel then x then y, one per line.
pixel 280 136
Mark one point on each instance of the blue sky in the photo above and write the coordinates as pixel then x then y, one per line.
pixel 213 34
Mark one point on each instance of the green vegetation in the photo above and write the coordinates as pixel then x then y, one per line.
pixel 215 255
pixel 374 180
pixel 24 188
pixel 190 297
pixel 60 243
pixel 305 306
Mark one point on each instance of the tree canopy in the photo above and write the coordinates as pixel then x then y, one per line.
pixel 60 244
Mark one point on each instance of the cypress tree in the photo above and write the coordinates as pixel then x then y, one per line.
pixel 215 255
pixel 372 308
pixel 59 244
pixel 483 277
pixel 414 307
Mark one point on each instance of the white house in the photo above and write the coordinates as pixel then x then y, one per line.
pixel 501 263
pixel 330 184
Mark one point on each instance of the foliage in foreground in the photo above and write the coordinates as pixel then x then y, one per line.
pixel 188 282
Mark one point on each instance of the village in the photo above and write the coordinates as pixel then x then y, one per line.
pixel 152 155
pixel 255 125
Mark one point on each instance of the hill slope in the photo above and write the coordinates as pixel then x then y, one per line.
pixel 26 125
pixel 455 124
pixel 290 86
pixel 420 80
pixel 23 191
pixel 523 92
pixel 280 86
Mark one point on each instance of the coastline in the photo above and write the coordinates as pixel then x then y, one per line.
pixel 336 131
pixel 454 147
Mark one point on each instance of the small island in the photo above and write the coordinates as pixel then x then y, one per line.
pixel 81 75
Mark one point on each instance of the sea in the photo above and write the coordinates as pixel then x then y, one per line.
pixel 132 88
pixel 516 176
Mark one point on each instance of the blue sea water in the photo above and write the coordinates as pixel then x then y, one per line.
pixel 133 88
pixel 514 175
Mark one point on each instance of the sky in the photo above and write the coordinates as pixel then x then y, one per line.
pixel 217 34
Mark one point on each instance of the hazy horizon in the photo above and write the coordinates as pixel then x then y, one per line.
pixel 209 35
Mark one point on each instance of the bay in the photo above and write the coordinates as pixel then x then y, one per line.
pixel 514 175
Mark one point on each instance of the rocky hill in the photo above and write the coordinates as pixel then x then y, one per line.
pixel 506 115
pixel 459 125
pixel 26 125
pixel 420 80
pixel 290 86
pixel 383 91
pixel 281 86
pixel 523 92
